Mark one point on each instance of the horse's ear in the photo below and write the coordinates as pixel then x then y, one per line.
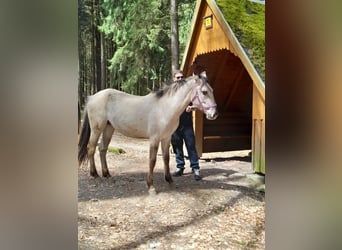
pixel 204 74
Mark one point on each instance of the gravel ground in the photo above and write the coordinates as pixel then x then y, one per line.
pixel 225 210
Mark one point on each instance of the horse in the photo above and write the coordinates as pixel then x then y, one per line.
pixel 154 116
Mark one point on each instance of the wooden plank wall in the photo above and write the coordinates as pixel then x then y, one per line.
pixel 258 133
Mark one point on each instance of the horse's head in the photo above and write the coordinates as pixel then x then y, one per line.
pixel 203 97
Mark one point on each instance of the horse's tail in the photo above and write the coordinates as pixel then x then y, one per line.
pixel 83 140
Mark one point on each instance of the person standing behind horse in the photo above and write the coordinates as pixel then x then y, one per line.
pixel 185 132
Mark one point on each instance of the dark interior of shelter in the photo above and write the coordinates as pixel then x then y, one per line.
pixel 233 91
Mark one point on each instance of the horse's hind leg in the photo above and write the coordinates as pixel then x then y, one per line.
pixel 153 158
pixel 165 144
pixel 106 137
pixel 94 137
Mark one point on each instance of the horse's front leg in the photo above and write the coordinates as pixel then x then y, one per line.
pixel 153 157
pixel 166 157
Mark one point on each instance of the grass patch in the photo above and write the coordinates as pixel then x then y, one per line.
pixel 219 209
pixel 240 242
pixel 116 151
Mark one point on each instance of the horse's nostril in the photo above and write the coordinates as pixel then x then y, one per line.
pixel 215 115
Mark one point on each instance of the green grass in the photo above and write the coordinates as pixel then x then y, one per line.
pixel 116 151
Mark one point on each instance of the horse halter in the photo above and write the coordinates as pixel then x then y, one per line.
pixel 196 97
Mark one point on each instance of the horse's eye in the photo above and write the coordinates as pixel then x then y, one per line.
pixel 204 92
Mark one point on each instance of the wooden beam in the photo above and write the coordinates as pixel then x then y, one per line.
pixel 198 128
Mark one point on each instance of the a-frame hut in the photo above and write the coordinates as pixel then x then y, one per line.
pixel 238 88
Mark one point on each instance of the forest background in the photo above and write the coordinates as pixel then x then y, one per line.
pixel 129 45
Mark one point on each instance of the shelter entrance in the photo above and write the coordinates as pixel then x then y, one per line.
pixel 233 90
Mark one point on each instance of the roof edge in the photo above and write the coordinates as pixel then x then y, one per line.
pixel 260 85
pixel 237 46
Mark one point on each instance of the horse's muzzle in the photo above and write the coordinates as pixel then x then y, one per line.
pixel 211 116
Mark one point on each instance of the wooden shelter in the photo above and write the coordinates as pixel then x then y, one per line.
pixel 238 88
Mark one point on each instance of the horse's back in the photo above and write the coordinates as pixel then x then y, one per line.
pixel 100 99
pixel 102 94
pixel 125 112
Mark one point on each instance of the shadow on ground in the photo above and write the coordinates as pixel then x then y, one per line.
pixel 134 184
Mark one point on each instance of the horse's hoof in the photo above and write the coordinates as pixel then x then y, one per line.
pixel 169 179
pixel 152 191
pixel 107 175
pixel 95 175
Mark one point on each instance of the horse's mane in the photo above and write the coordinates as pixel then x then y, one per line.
pixel 170 89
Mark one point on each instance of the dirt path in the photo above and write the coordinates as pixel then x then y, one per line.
pixel 222 211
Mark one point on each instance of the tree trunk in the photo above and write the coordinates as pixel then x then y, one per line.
pixel 97 41
pixel 98 60
pixel 174 36
pixel 79 118
pixel 103 62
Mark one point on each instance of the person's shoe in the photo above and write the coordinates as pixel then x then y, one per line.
pixel 178 172
pixel 197 174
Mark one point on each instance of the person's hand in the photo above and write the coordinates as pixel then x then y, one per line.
pixel 190 108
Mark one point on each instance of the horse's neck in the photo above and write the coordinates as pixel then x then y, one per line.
pixel 182 99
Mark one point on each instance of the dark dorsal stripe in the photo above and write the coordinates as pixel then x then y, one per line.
pixel 159 93
pixel 169 89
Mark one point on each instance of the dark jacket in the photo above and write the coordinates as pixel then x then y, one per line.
pixel 185 119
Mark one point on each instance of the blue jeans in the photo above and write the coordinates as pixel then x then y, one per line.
pixel 187 134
